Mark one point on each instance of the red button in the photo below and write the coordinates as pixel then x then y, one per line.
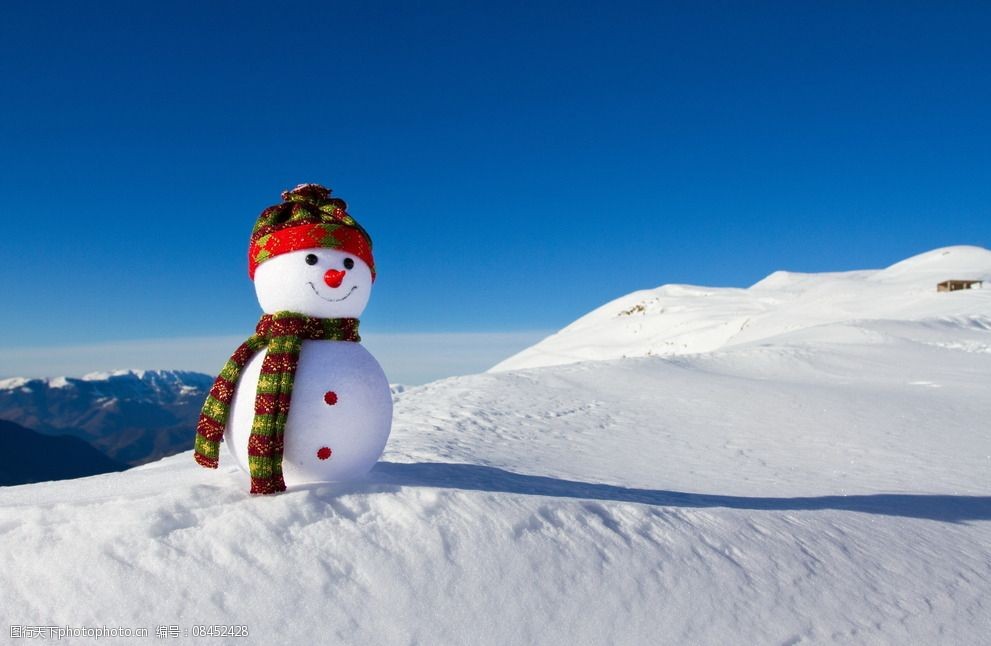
pixel 324 452
pixel 330 397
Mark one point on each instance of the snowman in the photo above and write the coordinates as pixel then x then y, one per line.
pixel 301 400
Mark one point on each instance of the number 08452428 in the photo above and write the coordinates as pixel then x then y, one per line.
pixel 219 630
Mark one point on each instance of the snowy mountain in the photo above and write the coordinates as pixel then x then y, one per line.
pixel 829 482
pixel 27 456
pixel 132 416
pixel 684 319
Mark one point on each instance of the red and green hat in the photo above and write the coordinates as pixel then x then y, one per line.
pixel 308 218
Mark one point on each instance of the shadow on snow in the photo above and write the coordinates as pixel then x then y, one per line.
pixel 473 477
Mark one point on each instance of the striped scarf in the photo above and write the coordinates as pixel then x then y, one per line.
pixel 282 334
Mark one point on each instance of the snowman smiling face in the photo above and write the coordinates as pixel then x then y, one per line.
pixel 325 283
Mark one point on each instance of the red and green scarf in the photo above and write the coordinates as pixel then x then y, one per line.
pixel 282 334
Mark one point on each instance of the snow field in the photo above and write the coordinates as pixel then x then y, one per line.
pixel 827 483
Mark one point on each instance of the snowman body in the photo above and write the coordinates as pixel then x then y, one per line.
pixel 340 411
pixel 339 414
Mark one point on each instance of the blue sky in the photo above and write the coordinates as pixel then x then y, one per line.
pixel 517 164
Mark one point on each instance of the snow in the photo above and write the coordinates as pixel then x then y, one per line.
pixel 105 375
pixel 59 382
pixel 829 483
pixel 13 383
pixel 683 319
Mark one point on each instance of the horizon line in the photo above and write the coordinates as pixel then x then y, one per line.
pixel 408 358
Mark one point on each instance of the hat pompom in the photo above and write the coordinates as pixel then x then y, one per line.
pixel 313 193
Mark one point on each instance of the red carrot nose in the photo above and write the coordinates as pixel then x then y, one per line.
pixel 333 277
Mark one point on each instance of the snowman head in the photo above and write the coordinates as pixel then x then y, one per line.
pixel 325 283
pixel 307 255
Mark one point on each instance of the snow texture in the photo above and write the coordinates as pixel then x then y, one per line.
pixel 825 484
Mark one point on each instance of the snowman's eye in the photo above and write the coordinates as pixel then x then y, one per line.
pixel 348 263
pixel 311 259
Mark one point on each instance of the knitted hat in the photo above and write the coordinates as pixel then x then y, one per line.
pixel 308 218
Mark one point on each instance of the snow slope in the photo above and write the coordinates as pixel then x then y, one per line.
pixel 684 319
pixel 831 486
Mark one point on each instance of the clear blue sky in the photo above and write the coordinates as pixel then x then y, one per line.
pixel 517 164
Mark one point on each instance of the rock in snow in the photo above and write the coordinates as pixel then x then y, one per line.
pixel 827 483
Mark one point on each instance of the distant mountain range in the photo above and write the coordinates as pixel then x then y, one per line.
pixel 131 416
pixel 27 456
